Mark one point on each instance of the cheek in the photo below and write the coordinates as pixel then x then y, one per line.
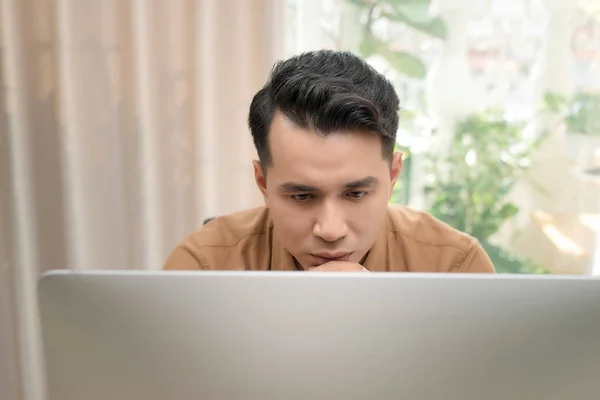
pixel 368 218
pixel 293 225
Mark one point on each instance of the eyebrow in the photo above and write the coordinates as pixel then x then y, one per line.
pixel 367 182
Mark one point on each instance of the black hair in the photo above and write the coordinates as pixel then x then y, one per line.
pixel 326 91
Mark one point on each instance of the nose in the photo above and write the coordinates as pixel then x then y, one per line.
pixel 331 223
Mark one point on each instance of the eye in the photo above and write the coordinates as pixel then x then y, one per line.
pixel 302 197
pixel 357 195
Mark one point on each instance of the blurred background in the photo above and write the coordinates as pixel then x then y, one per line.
pixel 123 126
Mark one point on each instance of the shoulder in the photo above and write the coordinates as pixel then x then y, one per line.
pixel 229 230
pixel 226 242
pixel 429 244
pixel 425 229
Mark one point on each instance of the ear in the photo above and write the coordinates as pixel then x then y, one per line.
pixel 395 170
pixel 260 179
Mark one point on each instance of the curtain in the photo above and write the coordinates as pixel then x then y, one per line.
pixel 122 127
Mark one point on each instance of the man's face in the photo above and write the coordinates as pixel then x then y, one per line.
pixel 327 195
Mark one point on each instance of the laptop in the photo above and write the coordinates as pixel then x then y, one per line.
pixel 141 335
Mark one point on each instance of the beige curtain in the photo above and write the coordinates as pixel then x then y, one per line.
pixel 122 126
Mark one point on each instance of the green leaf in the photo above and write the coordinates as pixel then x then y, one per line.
pixel 435 26
pixel 485 184
pixel 553 102
pixel 505 186
pixel 415 11
pixel 583 115
pixel 371 45
pixel 508 263
pixel 508 211
pixel 360 3
pixel 405 63
pixel 485 229
pixel 403 3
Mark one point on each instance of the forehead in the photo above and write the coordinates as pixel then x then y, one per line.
pixel 302 155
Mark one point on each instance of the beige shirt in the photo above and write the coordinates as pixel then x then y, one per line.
pixel 411 241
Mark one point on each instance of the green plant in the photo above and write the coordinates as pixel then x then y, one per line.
pixel 580 113
pixel 470 183
pixel 416 15
pixel 413 13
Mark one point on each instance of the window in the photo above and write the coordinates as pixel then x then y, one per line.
pixel 500 119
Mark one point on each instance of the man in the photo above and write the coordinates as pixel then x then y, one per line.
pixel 324 127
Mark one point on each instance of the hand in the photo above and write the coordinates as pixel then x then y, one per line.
pixel 339 266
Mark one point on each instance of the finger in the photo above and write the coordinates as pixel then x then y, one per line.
pixel 338 267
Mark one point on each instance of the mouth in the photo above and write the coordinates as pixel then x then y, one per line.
pixel 322 258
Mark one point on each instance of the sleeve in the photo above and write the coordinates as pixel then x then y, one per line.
pixel 476 260
pixel 182 259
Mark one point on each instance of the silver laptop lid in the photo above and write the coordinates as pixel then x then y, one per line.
pixel 292 335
